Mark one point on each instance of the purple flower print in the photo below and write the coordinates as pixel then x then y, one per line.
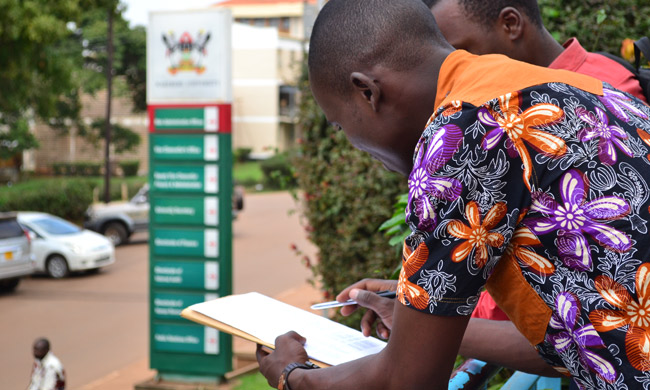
pixel 576 217
pixel 619 104
pixel 493 136
pixel 422 183
pixel 609 136
pixel 583 338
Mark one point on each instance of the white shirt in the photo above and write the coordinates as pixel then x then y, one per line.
pixel 47 374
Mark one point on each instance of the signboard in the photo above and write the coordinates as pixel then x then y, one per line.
pixel 190 188
pixel 186 274
pixel 168 305
pixel 185 178
pixel 186 338
pixel 185 242
pixel 186 147
pixel 189 56
pixel 185 210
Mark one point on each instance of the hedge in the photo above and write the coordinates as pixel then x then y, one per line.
pixel 345 196
pixel 68 199
pixel 129 167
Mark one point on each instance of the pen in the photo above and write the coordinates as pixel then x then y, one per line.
pixel 327 305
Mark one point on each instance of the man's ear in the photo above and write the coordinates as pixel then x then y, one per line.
pixel 512 23
pixel 367 87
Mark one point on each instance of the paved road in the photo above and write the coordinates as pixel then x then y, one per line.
pixel 98 323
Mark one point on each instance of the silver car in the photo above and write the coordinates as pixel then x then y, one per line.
pixel 15 252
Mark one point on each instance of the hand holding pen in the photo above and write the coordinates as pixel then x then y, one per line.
pixel 380 309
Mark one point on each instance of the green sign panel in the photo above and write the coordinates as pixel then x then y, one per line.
pixel 185 338
pixel 186 242
pixel 186 274
pixel 185 147
pixel 195 179
pixel 168 306
pixel 184 118
pixel 169 210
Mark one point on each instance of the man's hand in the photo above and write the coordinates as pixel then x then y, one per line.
pixel 379 308
pixel 288 349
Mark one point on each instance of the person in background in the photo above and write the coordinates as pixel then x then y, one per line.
pixel 47 372
pixel 515 28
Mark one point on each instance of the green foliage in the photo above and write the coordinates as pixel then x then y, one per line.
pixel 254 381
pixel 345 196
pixel 278 172
pixel 16 140
pixel 241 154
pixel 67 199
pixel 79 168
pixel 247 174
pixel 122 138
pixel 129 58
pixel 130 167
pixel 36 73
pixel 51 51
pixel 600 25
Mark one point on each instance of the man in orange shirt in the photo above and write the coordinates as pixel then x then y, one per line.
pixel 523 177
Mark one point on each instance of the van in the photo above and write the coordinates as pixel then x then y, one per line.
pixel 15 252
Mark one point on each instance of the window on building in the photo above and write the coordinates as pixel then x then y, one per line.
pixel 285 25
pixel 288 100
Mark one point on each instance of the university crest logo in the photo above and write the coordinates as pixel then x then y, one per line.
pixel 186 54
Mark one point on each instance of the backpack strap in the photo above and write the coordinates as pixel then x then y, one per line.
pixel 641 46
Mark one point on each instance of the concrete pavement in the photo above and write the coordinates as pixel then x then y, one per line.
pixel 138 372
pixel 263 261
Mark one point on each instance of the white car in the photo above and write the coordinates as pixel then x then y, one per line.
pixel 60 247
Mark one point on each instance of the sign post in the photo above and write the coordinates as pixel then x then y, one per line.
pixel 190 181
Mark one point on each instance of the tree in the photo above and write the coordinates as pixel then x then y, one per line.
pixel 51 52
pixel 36 68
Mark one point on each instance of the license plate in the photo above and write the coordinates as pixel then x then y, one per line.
pixel 9 256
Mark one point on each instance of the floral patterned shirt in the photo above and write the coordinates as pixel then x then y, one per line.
pixel 542 194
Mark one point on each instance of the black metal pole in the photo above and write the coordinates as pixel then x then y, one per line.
pixel 109 93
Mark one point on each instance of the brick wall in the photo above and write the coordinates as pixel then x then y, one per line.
pixel 55 147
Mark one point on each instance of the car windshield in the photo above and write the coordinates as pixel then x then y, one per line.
pixel 56 226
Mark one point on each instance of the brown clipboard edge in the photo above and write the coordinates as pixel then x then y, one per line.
pixel 202 319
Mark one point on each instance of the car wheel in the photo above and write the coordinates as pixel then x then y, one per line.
pixel 57 267
pixel 115 232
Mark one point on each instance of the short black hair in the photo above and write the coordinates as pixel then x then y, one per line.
pixel 349 33
pixel 486 12
pixel 42 342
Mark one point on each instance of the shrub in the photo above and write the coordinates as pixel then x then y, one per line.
pixel 345 196
pixel 278 172
pixel 67 199
pixel 79 168
pixel 130 167
pixel 241 154
pixel 601 25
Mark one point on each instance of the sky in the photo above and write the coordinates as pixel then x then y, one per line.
pixel 137 11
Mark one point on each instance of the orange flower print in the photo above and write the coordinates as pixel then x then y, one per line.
pixel 453 107
pixel 477 235
pixel 523 126
pixel 412 261
pixel 632 312
pixel 523 238
pixel 645 137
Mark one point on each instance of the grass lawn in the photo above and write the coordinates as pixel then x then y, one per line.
pixel 254 381
pixel 247 174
